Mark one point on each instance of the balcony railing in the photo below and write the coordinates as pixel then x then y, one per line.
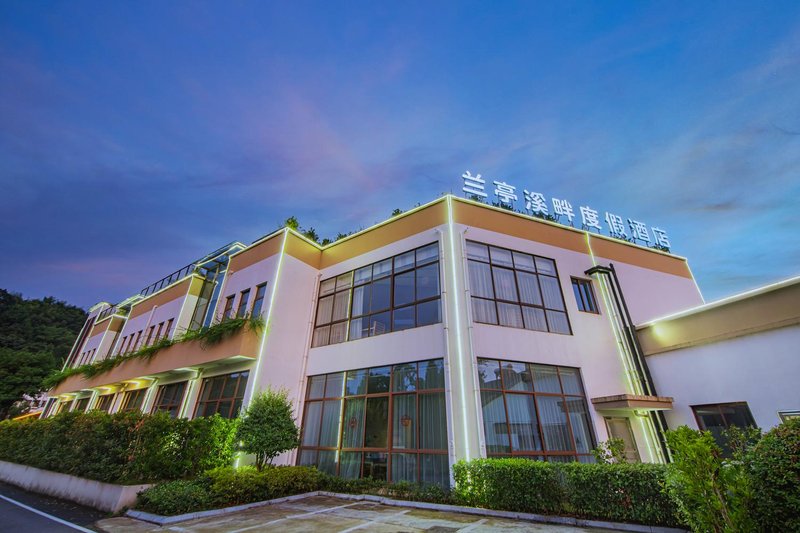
pixel 169 280
pixel 113 310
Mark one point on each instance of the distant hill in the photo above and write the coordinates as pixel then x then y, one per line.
pixel 35 338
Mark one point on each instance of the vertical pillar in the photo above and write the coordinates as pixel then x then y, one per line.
pixel 461 367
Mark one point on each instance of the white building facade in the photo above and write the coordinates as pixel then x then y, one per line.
pixel 453 331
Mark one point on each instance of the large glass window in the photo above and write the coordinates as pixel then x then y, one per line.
pixel 170 398
pixel 386 423
pixel 222 394
pixel 398 293
pixel 535 411
pixel 515 289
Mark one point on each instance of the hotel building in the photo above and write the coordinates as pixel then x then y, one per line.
pixel 454 331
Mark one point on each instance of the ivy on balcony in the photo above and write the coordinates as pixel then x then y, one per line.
pixel 206 336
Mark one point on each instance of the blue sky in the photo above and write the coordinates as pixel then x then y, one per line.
pixel 137 136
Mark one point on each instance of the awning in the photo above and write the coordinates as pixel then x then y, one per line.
pixel 630 402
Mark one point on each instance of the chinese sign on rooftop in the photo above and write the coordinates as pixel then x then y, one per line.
pixel 561 210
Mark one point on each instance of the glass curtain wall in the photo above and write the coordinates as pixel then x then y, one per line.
pixel 386 423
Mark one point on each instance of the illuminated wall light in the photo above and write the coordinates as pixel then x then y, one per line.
pixel 457 305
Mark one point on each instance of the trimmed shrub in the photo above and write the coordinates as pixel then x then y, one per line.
pixel 175 497
pixel 120 448
pixel 775 472
pixel 226 487
pixel 619 492
pixel 510 484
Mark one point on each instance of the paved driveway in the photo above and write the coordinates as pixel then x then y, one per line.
pixel 323 513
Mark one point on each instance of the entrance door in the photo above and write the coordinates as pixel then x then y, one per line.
pixel 620 428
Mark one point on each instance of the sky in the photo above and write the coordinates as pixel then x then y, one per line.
pixel 136 137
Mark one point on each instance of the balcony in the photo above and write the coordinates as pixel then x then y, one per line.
pixel 242 346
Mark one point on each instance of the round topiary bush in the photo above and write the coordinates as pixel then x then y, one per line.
pixel 775 470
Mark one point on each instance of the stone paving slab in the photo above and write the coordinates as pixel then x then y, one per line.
pixel 330 514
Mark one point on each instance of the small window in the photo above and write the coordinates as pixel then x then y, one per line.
pixel 716 418
pixel 169 328
pixel 150 335
pixel 170 398
pixel 104 402
pixel 133 400
pixel 261 290
pixel 584 295
pixel 242 310
pixel 788 415
pixel 226 314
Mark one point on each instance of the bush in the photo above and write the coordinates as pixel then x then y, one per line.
pixel 226 487
pixel 268 428
pixel 175 497
pixel 620 492
pixel 775 472
pixel 711 493
pixel 509 484
pixel 119 448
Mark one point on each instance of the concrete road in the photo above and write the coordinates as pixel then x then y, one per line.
pixel 26 512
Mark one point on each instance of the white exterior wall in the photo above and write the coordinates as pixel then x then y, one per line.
pixel 761 369
pixel 237 281
pixel 592 346
pixel 651 294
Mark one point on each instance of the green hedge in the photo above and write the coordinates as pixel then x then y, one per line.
pixel 774 470
pixel 617 492
pixel 225 487
pixel 120 448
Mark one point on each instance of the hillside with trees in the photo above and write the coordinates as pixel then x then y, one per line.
pixel 35 339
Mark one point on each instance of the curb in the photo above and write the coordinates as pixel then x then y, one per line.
pixel 529 517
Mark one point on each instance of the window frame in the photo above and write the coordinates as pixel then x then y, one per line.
pixel 519 303
pixel 577 283
pixel 542 454
pixel 168 407
pixel 258 300
pixel 125 406
pixel 390 450
pixel 244 299
pixel 241 385
pixel 228 309
pixel 701 425
pixel 101 399
pixel 390 310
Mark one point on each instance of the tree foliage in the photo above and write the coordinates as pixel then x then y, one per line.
pixel 35 339
pixel 268 427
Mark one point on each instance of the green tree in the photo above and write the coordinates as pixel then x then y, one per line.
pixel 610 452
pixel 292 223
pixel 710 491
pixel 35 339
pixel 397 211
pixel 268 427
pixel 311 234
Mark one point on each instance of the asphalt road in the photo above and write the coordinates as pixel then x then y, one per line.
pixel 18 513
